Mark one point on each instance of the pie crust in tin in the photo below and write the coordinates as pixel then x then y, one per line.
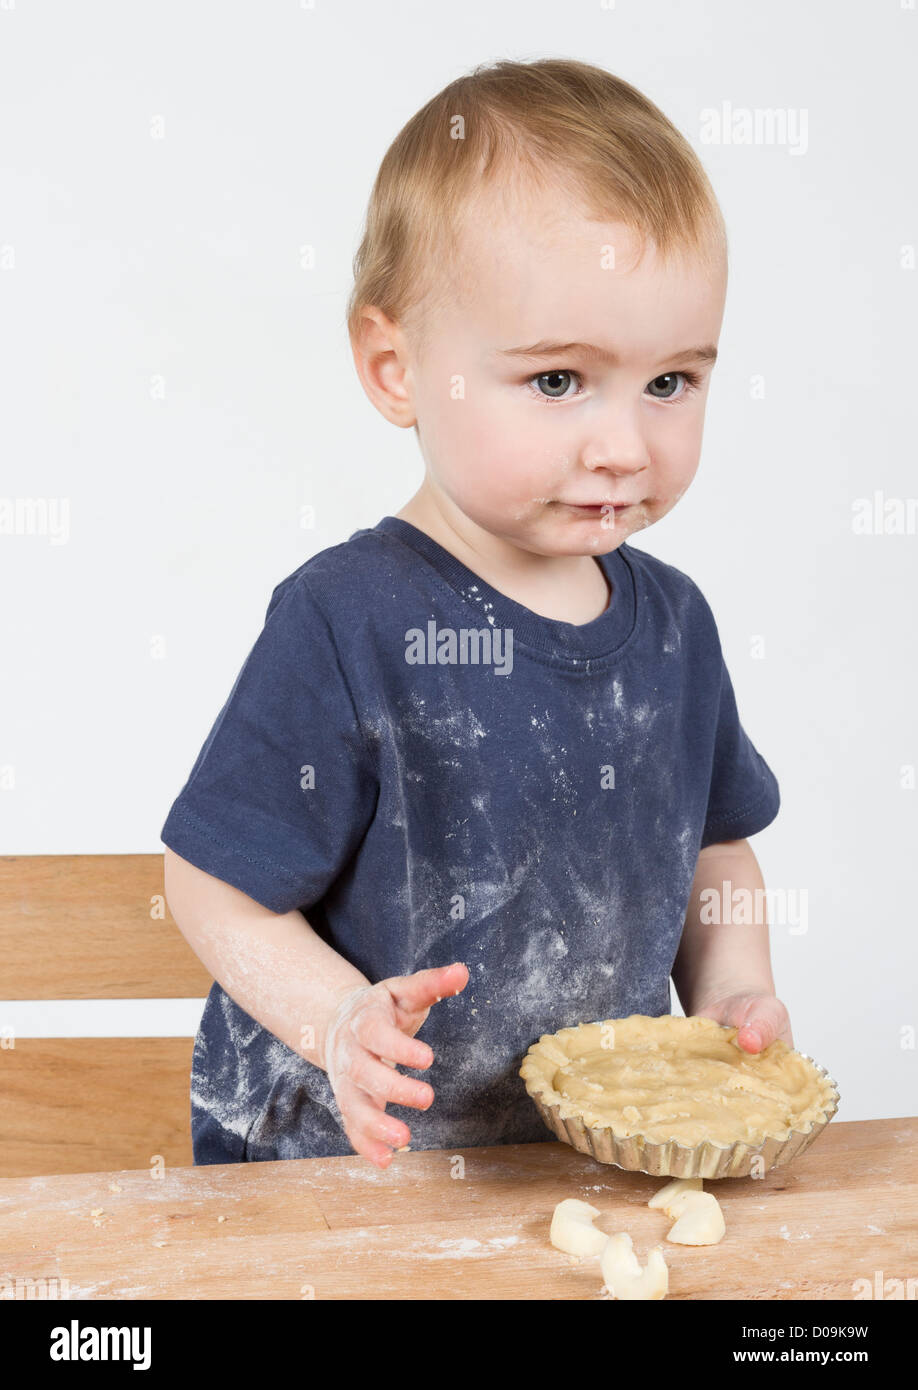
pixel 677 1096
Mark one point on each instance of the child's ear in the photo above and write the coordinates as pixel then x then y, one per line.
pixel 380 358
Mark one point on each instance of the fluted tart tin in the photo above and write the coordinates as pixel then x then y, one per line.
pixel 661 1157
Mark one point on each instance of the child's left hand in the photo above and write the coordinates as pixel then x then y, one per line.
pixel 760 1019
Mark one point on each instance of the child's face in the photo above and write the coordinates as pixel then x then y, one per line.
pixel 512 440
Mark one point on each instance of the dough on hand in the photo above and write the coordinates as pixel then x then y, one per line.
pixel 622 1272
pixel 572 1228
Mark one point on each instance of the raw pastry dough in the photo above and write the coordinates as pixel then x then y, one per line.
pixel 622 1272
pixel 572 1231
pixel 696 1213
pixel 700 1221
pixel 670 1196
pixel 681 1079
pixel 572 1228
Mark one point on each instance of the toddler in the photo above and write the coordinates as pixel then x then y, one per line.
pixel 488 730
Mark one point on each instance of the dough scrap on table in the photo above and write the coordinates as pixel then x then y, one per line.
pixel 573 1232
pixel 572 1228
pixel 697 1214
pixel 623 1275
pixel 671 1190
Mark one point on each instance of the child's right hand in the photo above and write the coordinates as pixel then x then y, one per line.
pixel 371 1031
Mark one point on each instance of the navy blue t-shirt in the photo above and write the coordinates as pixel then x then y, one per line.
pixel 536 813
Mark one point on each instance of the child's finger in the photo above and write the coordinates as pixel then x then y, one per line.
pixel 378 1035
pixel 363 1143
pixel 414 993
pixel 384 1084
pixel 760 1021
pixel 749 1038
pixel 381 1126
pixel 371 1132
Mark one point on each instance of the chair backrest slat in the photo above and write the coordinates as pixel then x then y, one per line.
pixel 91 1105
pixel 92 926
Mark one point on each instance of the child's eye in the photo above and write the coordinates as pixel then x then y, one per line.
pixel 556 384
pixel 667 380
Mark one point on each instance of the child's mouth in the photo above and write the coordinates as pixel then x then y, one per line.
pixel 598 509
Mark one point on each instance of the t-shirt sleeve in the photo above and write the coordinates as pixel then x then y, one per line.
pixel 284 787
pixel 743 797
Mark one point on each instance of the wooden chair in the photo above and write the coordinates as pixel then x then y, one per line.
pixel 92 926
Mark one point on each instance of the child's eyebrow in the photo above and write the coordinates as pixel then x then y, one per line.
pixel 705 353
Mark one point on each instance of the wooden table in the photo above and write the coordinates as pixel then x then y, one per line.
pixel 464 1225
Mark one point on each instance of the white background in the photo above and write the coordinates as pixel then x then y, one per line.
pixel 169 367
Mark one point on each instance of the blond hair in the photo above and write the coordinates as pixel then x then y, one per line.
pixel 528 126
